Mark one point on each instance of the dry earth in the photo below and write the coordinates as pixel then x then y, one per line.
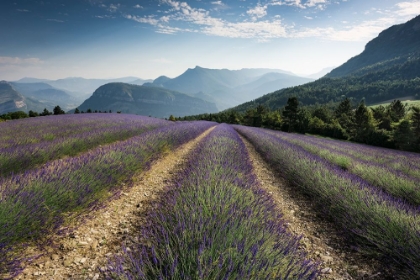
pixel 320 238
pixel 92 239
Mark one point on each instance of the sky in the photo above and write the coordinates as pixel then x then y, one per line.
pixel 148 38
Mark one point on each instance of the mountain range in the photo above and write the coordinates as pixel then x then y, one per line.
pixel 144 100
pixel 222 87
pixel 387 69
pixel 227 88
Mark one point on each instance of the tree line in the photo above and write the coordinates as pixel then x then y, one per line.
pixel 56 111
pixel 393 126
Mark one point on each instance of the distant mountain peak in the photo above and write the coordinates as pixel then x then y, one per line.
pixel 145 100
pixel 393 45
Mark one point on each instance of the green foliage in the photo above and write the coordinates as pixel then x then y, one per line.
pixel 290 115
pixel 45 112
pixel 373 126
pixel 33 114
pixel 404 136
pixel 363 124
pixel 396 111
pixel 58 111
pixel 14 115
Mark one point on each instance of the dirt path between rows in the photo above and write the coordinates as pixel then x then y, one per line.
pixel 320 240
pixel 79 253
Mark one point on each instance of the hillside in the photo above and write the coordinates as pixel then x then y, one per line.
pixel 143 100
pixel 81 87
pixel 47 95
pixel 388 68
pixel 227 88
pixel 393 46
pixel 10 99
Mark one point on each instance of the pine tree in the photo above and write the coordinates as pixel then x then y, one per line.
pixel 290 114
pixel 364 123
pixel 58 111
pixel 396 110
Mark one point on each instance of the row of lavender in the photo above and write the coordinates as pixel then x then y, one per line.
pixel 396 172
pixel 373 218
pixel 214 223
pixel 26 143
pixel 32 204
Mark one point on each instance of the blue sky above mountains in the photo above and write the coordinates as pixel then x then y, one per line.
pixel 113 38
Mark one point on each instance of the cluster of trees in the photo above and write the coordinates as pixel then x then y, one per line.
pixel 392 126
pixel 21 114
pixel 56 111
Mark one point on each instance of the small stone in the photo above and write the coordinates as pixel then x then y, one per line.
pixel 326 270
pixel 96 277
pixel 362 273
pixel 94 244
pixel 83 243
pixel 83 260
pixel 36 273
pixel 67 262
pixel 327 259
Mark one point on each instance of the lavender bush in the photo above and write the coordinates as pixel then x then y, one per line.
pixel 28 142
pixel 214 223
pixel 396 172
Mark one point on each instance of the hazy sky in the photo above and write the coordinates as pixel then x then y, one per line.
pixel 115 38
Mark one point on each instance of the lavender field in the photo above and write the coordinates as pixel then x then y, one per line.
pixel 379 218
pixel 215 220
pixel 26 143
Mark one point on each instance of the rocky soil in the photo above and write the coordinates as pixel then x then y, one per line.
pixel 90 241
pixel 322 241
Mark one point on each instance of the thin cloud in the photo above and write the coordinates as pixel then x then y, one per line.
pixel 313 3
pixel 206 24
pixel 257 12
pixel 201 21
pixel 320 4
pixel 408 8
pixel 19 61
pixel 360 32
pixel 150 19
pixel 55 20
pixel 113 7
pixel 138 6
pixel 23 10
